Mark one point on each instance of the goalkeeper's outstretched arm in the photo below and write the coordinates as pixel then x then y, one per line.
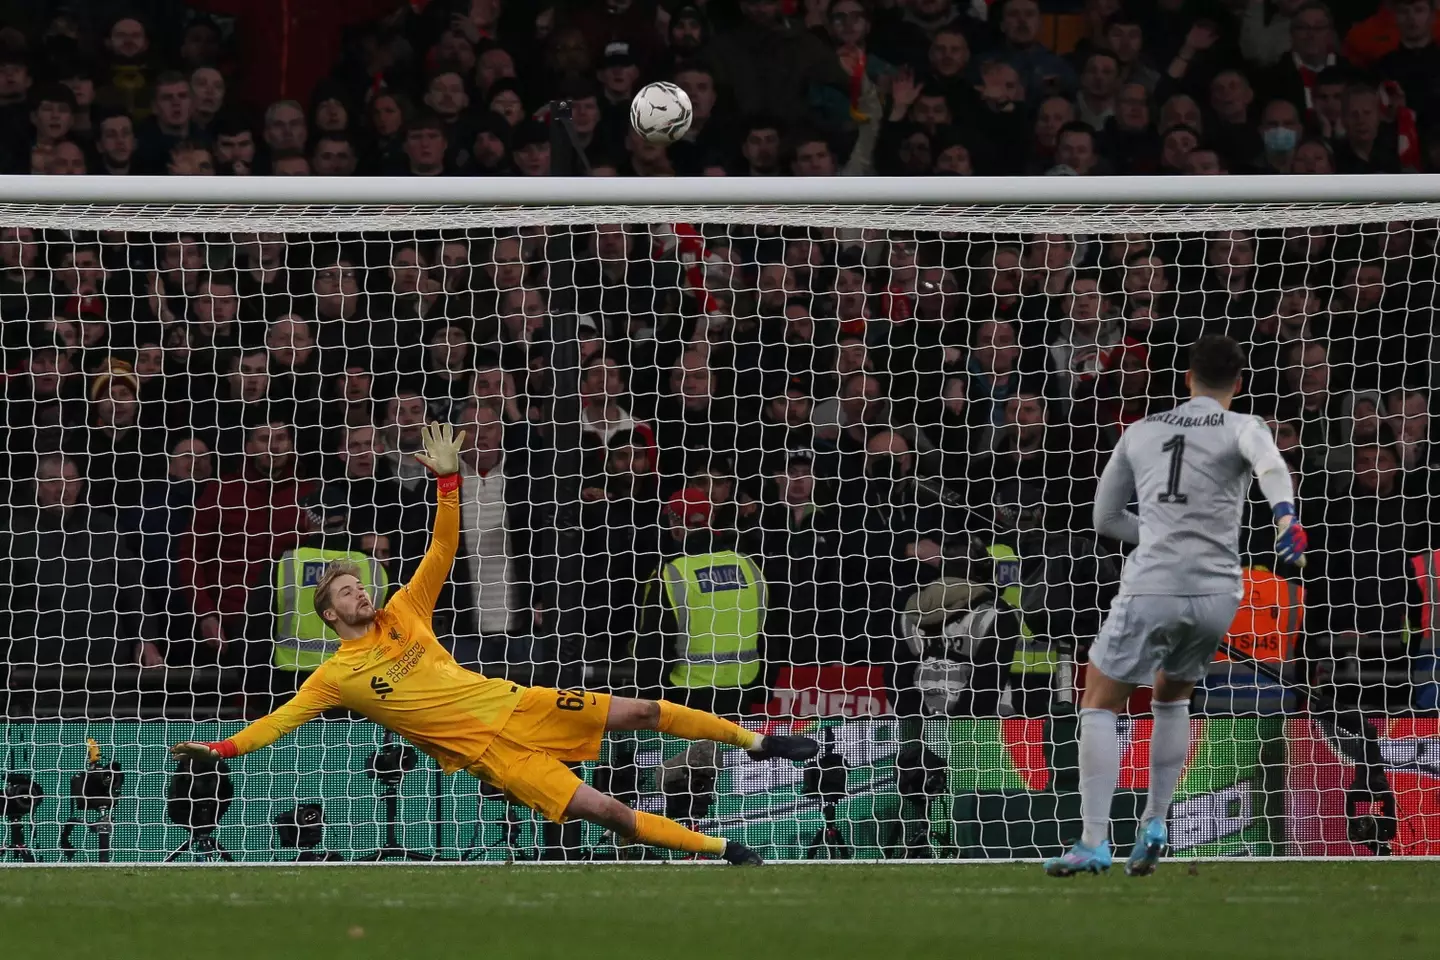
pixel 316 695
pixel 442 456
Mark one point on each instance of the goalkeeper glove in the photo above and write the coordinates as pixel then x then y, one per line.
pixel 1290 538
pixel 196 750
pixel 442 449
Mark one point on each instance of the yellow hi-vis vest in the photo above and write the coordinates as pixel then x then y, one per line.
pixel 719 605
pixel 1030 655
pixel 303 640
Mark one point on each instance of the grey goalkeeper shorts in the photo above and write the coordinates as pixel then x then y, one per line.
pixel 1145 633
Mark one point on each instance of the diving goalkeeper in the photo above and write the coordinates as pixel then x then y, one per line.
pixel 391 669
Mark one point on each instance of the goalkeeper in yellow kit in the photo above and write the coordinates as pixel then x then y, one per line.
pixel 391 669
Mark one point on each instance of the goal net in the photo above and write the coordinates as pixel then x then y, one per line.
pixel 816 457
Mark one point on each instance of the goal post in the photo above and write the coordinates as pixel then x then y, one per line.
pixel 871 412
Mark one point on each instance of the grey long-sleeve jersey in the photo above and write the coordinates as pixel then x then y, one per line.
pixel 1190 470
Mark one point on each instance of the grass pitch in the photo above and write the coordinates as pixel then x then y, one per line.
pixel 1310 911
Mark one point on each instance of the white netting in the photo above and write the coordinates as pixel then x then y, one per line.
pixel 896 413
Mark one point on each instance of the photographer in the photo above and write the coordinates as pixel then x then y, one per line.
pixel 73 592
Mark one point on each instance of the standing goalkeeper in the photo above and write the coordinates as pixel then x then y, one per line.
pixel 391 669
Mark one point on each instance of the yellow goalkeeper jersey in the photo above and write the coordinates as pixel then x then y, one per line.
pixel 399 675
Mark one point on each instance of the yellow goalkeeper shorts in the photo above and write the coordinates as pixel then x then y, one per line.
pixel 548 729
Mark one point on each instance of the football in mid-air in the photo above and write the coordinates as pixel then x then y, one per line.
pixel 661 112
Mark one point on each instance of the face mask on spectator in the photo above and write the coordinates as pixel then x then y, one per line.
pixel 1280 139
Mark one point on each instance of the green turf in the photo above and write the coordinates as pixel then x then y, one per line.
pixel 895 912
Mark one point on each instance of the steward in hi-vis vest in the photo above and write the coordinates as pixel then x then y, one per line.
pixel 282 630
pixel 703 615
pixel 1267 625
pixel 302 640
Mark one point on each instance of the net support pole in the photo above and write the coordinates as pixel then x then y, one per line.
pixel 565 158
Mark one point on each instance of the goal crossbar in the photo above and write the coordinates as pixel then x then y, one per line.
pixel 963 204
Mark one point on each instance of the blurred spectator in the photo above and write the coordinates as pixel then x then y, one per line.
pixel 240 521
pixel 495 625
pixel 603 417
pixel 157 524
pixel 621 519
pixel 129 71
pixel 170 122
pixel 1408 417
pixel 1296 77
pixel 42 398
pixel 1125 37
pixel 334 156
pixel 19 284
pixel 449 366
pixel 1087 342
pixel 1099 84
pixel 1361 556
pixel 1366 146
pixel 994 369
pixel 207 98
pixel 1051 462
pixel 1041 70
pixel 797 543
pixel 53 116
pixel 288 49
pixel 70 589
pixel 768 61
pixel 405 416
pixel 1381 33
pixel 365 500
pixel 118 450
pixel 234 147
pixel 693 421
pixel 1280 134
pixel 1265 30
pixel 895 540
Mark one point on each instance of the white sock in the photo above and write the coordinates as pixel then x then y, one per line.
pixel 1099 769
pixel 1169 747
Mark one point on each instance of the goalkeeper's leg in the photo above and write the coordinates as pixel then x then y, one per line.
pixel 640 827
pixel 691 724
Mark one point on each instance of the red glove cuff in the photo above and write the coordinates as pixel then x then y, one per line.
pixel 448 484
pixel 225 748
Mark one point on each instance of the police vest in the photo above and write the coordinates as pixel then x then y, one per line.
pixel 303 640
pixel 1427 569
pixel 1267 624
pixel 719 605
pixel 1031 656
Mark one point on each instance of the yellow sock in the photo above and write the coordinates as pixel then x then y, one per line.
pixel 664 832
pixel 692 724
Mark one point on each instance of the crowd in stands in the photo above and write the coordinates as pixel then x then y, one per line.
pixel 862 413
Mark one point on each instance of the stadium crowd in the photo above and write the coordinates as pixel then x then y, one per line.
pixel 863 414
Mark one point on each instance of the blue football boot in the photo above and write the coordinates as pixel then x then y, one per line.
pixel 1150 841
pixel 1080 859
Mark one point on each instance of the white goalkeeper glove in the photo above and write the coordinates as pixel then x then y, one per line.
pixel 442 449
